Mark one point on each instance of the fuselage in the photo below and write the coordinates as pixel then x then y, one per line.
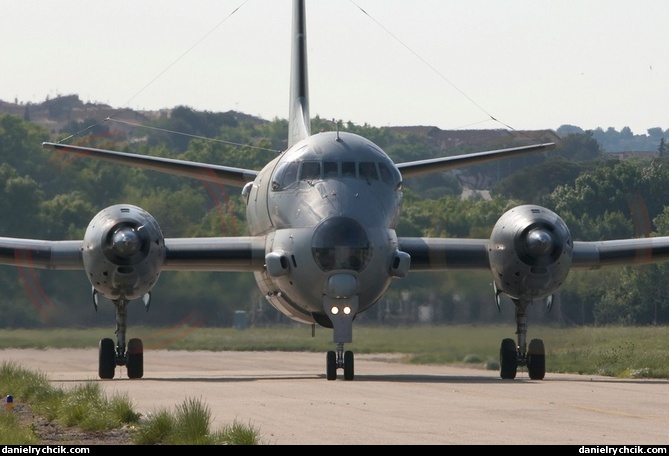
pixel 328 207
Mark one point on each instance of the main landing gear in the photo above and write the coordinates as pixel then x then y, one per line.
pixel 511 355
pixel 112 355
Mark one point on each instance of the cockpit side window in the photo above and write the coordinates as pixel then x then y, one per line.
pixel 390 175
pixel 386 175
pixel 285 176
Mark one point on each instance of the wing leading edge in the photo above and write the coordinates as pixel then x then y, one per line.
pixel 421 167
pixel 226 175
pixel 239 176
pixel 621 252
pixel 40 254
pixel 245 253
pixel 435 254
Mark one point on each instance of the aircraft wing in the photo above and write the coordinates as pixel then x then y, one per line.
pixel 244 253
pixel 621 252
pixel 64 255
pixel 433 254
pixel 420 167
pixel 226 175
pixel 247 253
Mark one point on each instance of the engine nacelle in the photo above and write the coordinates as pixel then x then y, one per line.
pixel 530 252
pixel 124 251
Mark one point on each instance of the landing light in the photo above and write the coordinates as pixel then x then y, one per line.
pixel 334 310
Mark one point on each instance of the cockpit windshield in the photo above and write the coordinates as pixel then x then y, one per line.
pixel 335 155
pixel 287 174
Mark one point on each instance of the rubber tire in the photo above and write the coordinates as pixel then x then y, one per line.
pixel 349 371
pixel 331 365
pixel 135 364
pixel 508 359
pixel 106 358
pixel 536 359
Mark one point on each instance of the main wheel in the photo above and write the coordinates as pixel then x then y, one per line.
pixel 106 358
pixel 536 359
pixel 331 365
pixel 135 358
pixel 348 365
pixel 508 359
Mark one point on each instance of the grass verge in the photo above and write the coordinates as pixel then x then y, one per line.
pixel 86 407
pixel 624 352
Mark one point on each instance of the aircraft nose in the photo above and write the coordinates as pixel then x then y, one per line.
pixel 341 243
pixel 342 285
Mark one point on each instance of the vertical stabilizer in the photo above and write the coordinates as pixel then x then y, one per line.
pixel 299 122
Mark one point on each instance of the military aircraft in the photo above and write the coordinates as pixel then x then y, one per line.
pixel 322 243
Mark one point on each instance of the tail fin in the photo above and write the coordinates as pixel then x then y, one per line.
pixel 299 126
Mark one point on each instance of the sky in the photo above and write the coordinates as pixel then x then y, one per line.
pixel 454 64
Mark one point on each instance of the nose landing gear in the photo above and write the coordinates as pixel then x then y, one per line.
pixel 111 355
pixel 341 312
pixel 511 355
pixel 340 360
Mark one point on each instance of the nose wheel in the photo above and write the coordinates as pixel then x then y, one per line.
pixel 339 360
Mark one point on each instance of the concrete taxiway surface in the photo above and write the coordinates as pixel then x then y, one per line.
pixel 287 398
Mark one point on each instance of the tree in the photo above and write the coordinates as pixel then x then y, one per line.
pixel 579 147
pixel 565 130
pixel 20 198
pixel 663 149
pixel 626 133
pixel 634 189
pixel 639 294
pixel 66 216
pixel 20 146
pixel 533 183
pixel 655 133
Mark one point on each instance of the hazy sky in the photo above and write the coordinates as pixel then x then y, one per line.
pixel 530 64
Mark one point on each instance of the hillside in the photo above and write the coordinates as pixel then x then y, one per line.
pixel 55 114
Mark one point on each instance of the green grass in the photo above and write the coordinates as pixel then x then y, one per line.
pixel 190 425
pixel 84 406
pixel 613 351
pixel 14 433
pixel 87 407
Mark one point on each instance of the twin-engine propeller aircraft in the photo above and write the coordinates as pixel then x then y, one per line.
pixel 322 243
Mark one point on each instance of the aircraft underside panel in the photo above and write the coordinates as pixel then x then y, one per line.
pixel 278 300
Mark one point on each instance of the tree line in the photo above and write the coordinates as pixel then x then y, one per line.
pixel 51 196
